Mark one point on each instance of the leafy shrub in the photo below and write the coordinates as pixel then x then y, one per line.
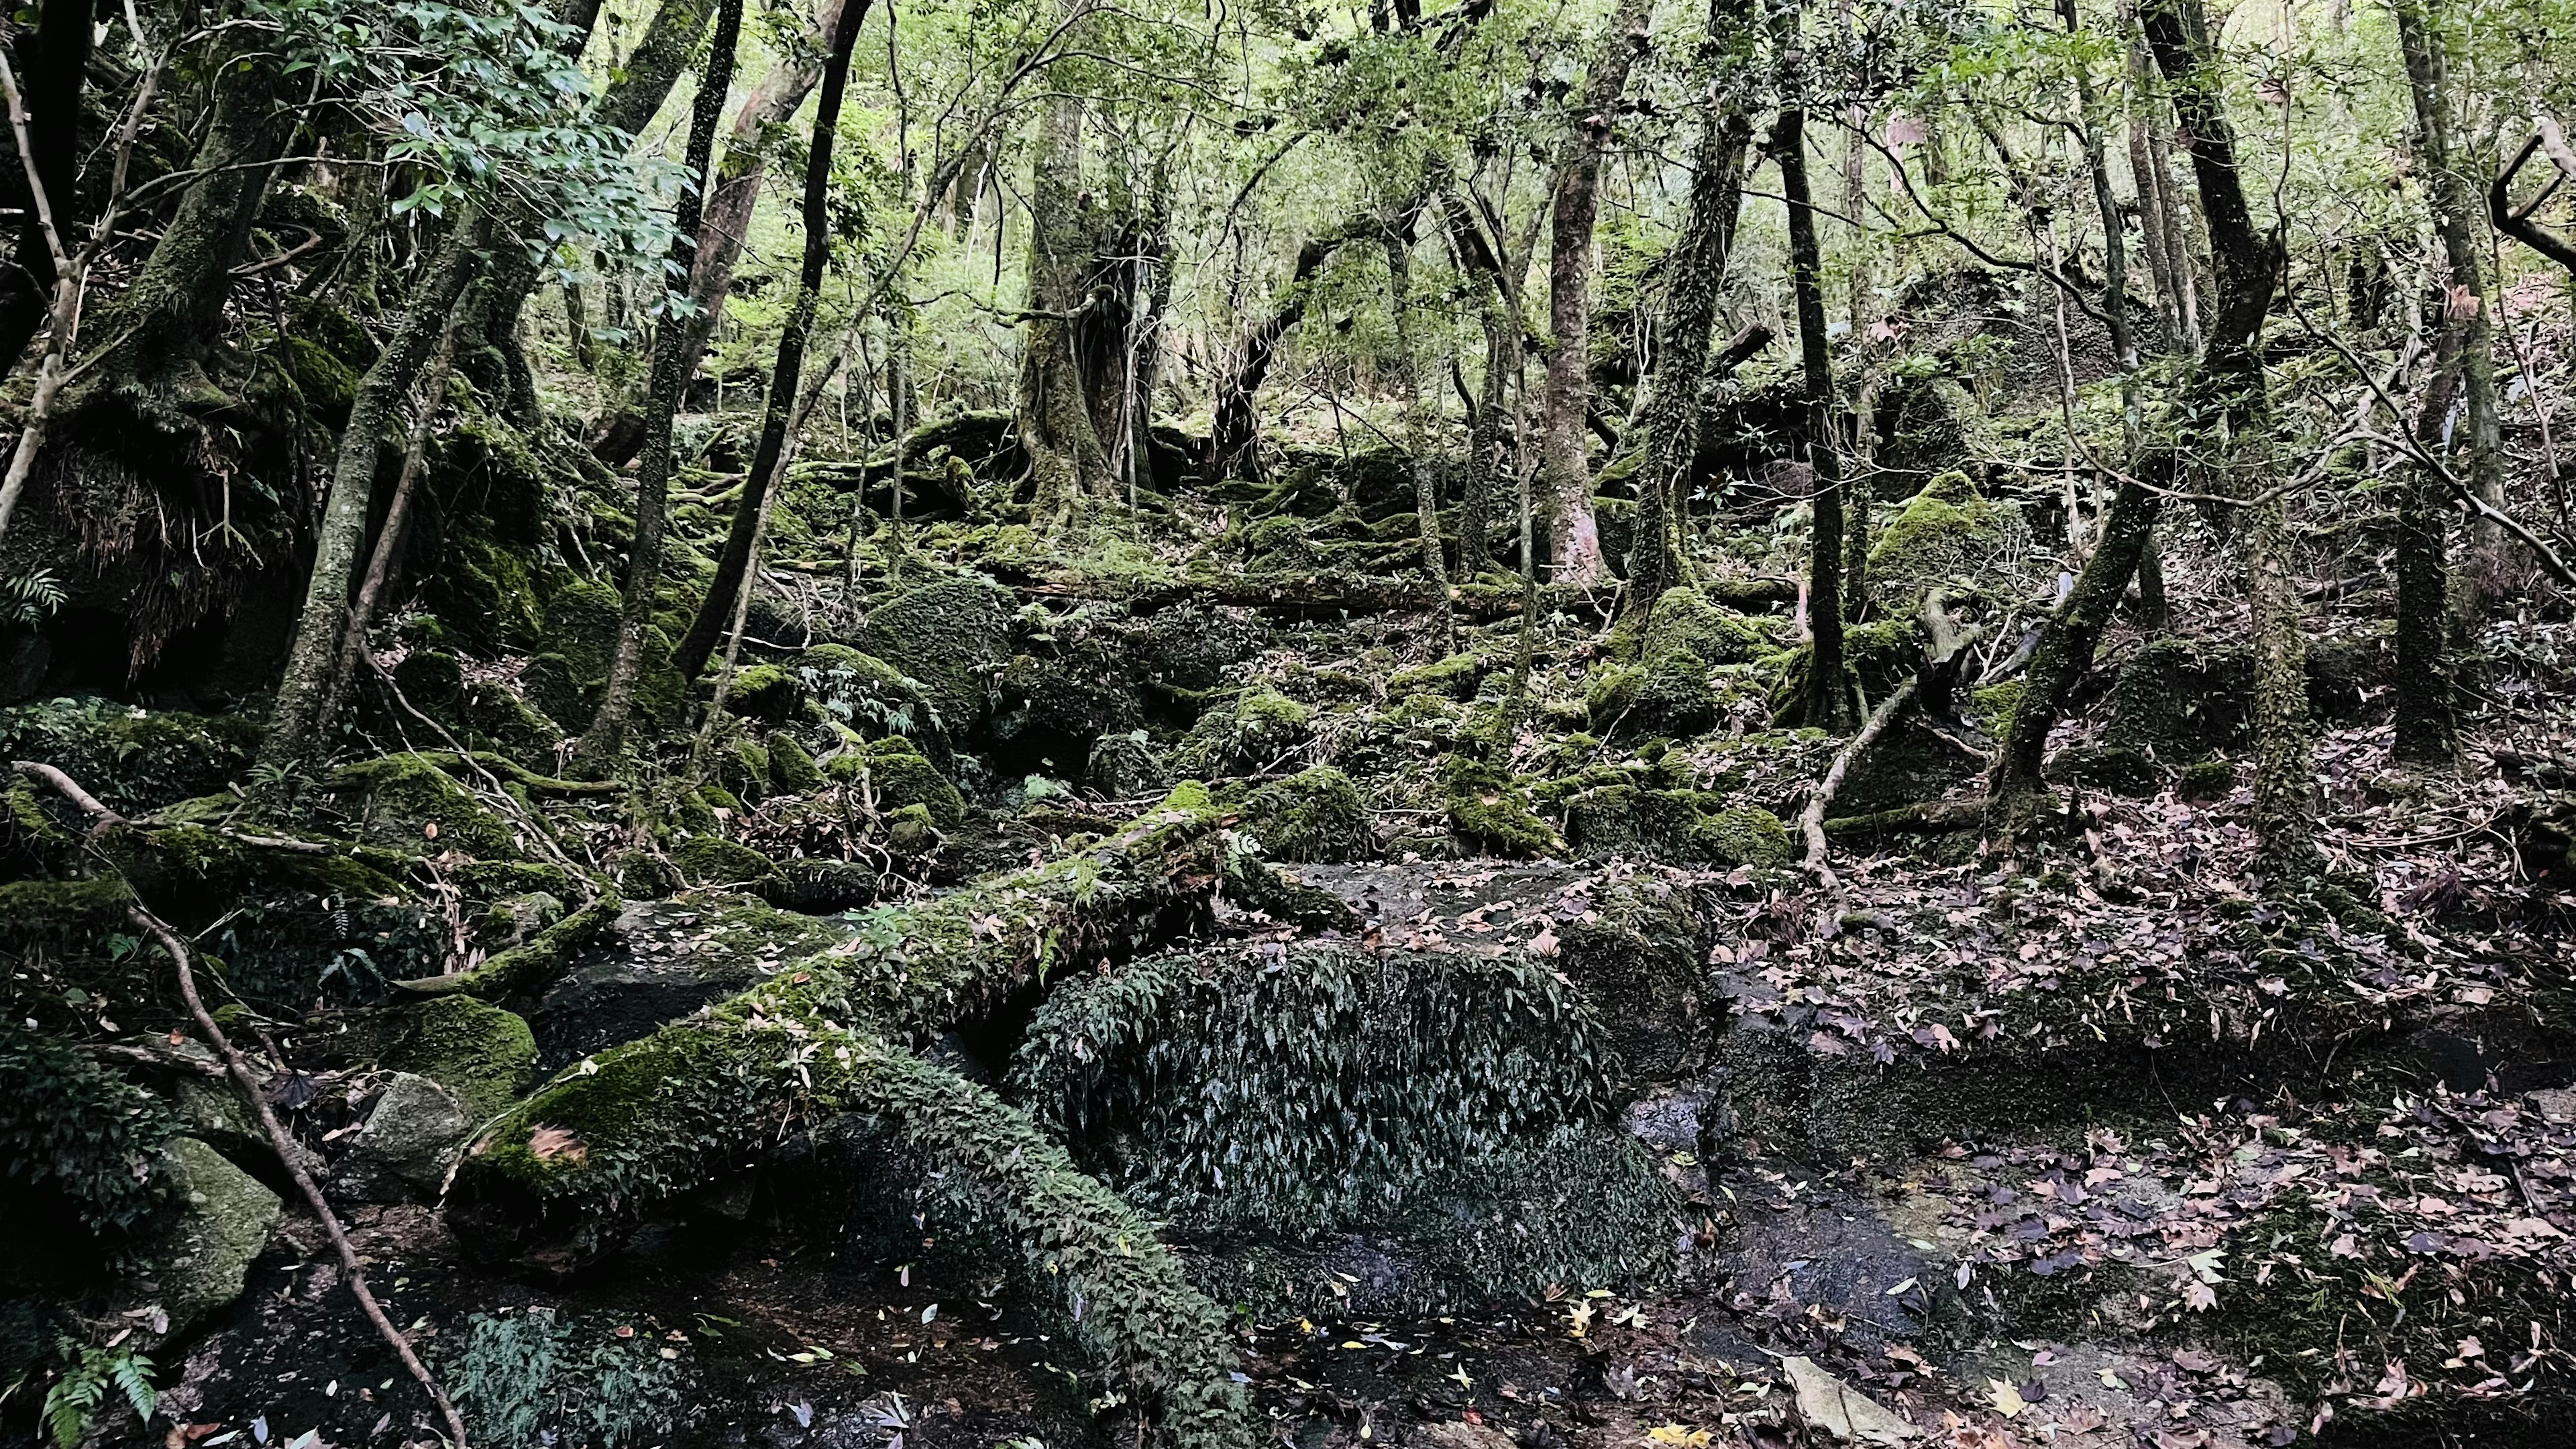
pixel 534 1381
pixel 74 1138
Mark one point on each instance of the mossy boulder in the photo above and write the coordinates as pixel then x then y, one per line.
pixel 1947 533
pixel 2119 769
pixel 483 1055
pixel 406 802
pixel 872 697
pixel 1490 811
pixel 951 638
pixel 202 1260
pixel 1683 826
pixel 555 686
pixel 895 774
pixel 1684 620
pixel 582 620
pixel 1315 815
pixel 402 1149
pixel 766 692
pixel 791 767
pixel 1127 766
pixel 1262 727
pixel 1453 678
pixel 709 861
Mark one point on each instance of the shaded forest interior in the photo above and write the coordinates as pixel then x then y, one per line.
pixel 1634 725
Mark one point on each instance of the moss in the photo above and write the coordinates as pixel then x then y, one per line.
pixel 867 694
pixel 744 768
pixel 1610 693
pixel 2207 780
pixel 132 759
pixel 1314 815
pixel 951 638
pixel 225 1220
pixel 556 688
pixel 530 967
pixel 1261 728
pixel 897 775
pixel 481 1054
pixel 1743 835
pixel 712 860
pixel 765 692
pixel 1625 818
pixel 2118 769
pixel 1490 811
pixel 407 802
pixel 1684 620
pixel 1454 677
pixel 1995 704
pixel 1126 766
pixel 791 768
pixel 1946 532
pixel 582 620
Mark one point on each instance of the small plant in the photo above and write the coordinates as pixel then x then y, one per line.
pixel 30 598
pixel 90 1375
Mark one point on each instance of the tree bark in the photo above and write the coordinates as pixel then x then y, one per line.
pixel 1829 702
pixel 2227 420
pixel 2455 211
pixel 732 568
pixel 675 348
pixel 1419 402
pixel 296 720
pixel 1574 537
pixel 725 220
pixel 2422 683
pixel 1066 459
pixel 1693 270
pixel 53 61
pixel 1237 421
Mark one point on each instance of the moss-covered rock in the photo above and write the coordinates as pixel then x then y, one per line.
pixel 895 775
pixel 1946 533
pixel 202 1260
pixel 713 861
pixel 1684 620
pixel 1682 826
pixel 1314 815
pixel 582 620
pixel 766 692
pixel 1262 728
pixel 791 768
pixel 1490 811
pixel 1454 678
pixel 482 1054
pixel 1127 766
pixel 406 802
pixel 2119 769
pixel 951 638
pixel 869 695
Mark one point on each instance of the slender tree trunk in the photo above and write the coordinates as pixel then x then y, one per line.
pixel 54 61
pixel 2423 682
pixel 296 720
pixel 1237 421
pixel 2227 416
pixel 1829 703
pixel 732 567
pixel 671 367
pixel 1574 537
pixel 2455 220
pixel 1419 400
pixel 2144 115
pixel 725 222
pixel 1066 458
pixel 1693 270
pixel 392 532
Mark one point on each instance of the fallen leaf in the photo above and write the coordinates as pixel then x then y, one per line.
pixel 1840 1409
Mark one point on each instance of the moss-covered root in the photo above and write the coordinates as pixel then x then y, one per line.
pixel 530 967
pixel 552 1182
pixel 641 1122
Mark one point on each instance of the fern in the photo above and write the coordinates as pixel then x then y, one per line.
pixel 30 598
pixel 89 1376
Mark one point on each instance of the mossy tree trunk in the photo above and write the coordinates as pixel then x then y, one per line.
pixel 2227 418
pixel 1420 401
pixel 2422 683
pixel 676 344
pixel 733 567
pixel 2469 297
pixel 1055 419
pixel 1829 702
pixel 1484 258
pixel 1574 536
pixel 1693 270
pixel 297 719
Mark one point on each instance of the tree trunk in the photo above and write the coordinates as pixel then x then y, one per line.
pixel 1829 703
pixel 732 568
pixel 1419 402
pixel 1066 458
pixel 1237 421
pixel 2145 112
pixel 2423 683
pixel 1574 538
pixel 2455 220
pixel 51 63
pixel 296 721
pixel 1693 270
pixel 673 355
pixel 2227 419
pixel 725 219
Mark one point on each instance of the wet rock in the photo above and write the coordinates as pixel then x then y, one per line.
pixel 225 1216
pixel 663 960
pixel 478 1053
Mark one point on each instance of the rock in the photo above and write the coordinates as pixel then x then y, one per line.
pixel 950 638
pixel 407 803
pixel 1127 767
pixel 482 1055
pixel 2120 769
pixel 1841 1410
pixel 895 774
pixel 820 887
pixel 663 960
pixel 1946 532
pixel 201 1262
pixel 402 1150
pixel 791 766
pixel 1315 815
pixel 712 860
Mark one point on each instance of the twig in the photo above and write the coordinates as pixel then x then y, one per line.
pixel 287 1153
pixel 88 802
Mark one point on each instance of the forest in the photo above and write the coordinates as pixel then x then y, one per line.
pixel 1287 724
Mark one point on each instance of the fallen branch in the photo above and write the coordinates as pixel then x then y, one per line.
pixel 1811 821
pixel 89 803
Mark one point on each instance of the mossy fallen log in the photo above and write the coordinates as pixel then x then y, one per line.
pixel 557 1179
pixel 526 968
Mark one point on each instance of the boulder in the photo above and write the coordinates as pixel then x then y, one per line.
pixel 403 1148
pixel 200 1262
pixel 950 638
pixel 480 1054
